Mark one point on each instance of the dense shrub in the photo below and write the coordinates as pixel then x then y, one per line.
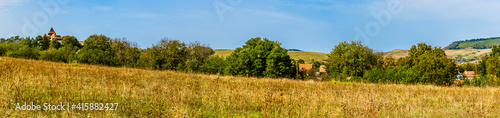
pixel 350 60
pixel 398 75
pixel 489 69
pixel 98 57
pixel 167 55
pixel 23 51
pixel 432 63
pixel 58 55
pixel 214 65
pixel 125 53
pixel 260 57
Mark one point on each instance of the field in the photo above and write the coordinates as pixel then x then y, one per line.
pixel 148 93
pixel 306 56
pixel 453 54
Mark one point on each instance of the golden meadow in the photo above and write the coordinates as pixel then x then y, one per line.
pixel 150 93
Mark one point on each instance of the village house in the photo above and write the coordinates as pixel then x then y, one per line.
pixel 469 74
pixel 307 67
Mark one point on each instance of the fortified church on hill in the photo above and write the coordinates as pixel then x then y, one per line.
pixel 53 34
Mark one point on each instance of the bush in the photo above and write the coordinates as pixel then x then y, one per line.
pixel 125 53
pixel 57 55
pixel 260 57
pixel 97 57
pixel 399 75
pixel 167 55
pixel 25 52
pixel 350 60
pixel 432 63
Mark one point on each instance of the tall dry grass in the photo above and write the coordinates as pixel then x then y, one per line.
pixel 148 93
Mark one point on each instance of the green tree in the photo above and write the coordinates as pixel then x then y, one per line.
pixel 71 41
pixel 57 55
pixel 167 55
pixel 198 54
pixel 54 43
pixel 125 53
pixel 97 42
pixel 97 50
pixel 301 61
pixel 350 59
pixel 214 65
pixel 260 57
pixel 278 63
pixel 97 57
pixel 44 42
pixel 432 63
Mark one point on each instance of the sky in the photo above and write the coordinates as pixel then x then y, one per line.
pixel 309 25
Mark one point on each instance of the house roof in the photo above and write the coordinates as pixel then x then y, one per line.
pixel 305 67
pixel 322 68
pixel 469 73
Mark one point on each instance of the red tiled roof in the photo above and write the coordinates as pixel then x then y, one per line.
pixel 469 73
pixel 305 67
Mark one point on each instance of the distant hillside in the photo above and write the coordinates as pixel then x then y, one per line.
pixel 306 56
pixel 397 53
pixel 459 55
pixel 294 50
pixel 482 43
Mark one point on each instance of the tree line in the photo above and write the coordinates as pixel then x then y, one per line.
pixel 258 57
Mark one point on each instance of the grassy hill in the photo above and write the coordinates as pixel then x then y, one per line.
pixel 306 56
pixel 468 55
pixel 397 53
pixel 149 93
pixel 482 43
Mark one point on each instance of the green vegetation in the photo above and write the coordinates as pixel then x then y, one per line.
pixel 432 62
pixel 350 60
pixel 482 43
pixel 425 64
pixel 489 69
pixel 260 57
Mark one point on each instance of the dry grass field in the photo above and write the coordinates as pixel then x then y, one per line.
pixel 306 56
pixel 148 93
pixel 468 53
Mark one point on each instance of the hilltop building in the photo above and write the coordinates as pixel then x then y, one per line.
pixel 52 34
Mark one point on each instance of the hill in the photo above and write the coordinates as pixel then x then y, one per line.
pixel 149 93
pixel 397 53
pixel 460 55
pixel 481 43
pixel 306 56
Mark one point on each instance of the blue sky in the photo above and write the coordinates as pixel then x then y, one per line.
pixel 310 25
